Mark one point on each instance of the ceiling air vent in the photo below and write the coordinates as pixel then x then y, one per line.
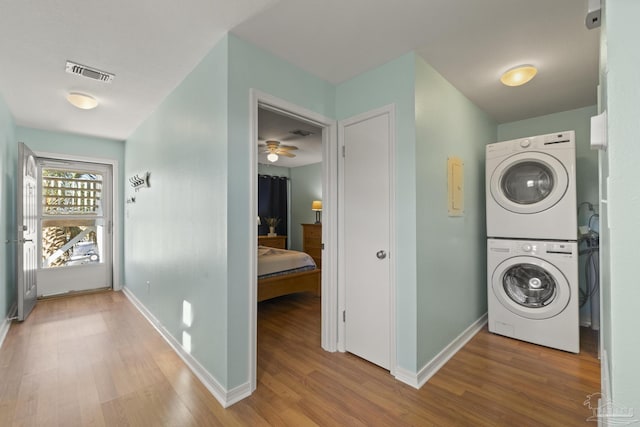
pixel 301 132
pixel 92 73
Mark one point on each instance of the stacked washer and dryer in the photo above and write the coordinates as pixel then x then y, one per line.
pixel 532 249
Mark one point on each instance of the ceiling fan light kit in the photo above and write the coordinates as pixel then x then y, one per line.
pixel 274 150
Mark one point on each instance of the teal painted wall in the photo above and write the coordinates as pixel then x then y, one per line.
pixel 176 232
pixel 586 165
pixel 306 186
pixel 394 82
pixel 451 251
pixel 251 67
pixel 86 146
pixel 8 162
pixel 623 109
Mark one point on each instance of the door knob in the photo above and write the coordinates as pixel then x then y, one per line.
pixel 381 254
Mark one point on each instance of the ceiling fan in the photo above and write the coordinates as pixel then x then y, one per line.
pixel 274 149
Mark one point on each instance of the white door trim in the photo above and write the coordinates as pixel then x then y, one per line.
pixel 115 205
pixel 390 111
pixel 329 213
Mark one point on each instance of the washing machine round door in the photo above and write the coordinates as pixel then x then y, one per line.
pixel 531 287
pixel 529 183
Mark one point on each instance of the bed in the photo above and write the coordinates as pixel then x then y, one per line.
pixel 283 272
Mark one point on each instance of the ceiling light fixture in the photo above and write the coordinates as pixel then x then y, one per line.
pixel 82 101
pixel 272 157
pixel 519 75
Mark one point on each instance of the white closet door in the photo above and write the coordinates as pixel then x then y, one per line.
pixel 367 230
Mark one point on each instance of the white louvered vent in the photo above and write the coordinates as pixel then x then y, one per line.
pixel 301 132
pixel 92 73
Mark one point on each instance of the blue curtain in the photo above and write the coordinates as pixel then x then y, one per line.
pixel 272 202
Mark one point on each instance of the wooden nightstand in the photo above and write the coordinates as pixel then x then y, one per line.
pixel 312 242
pixel 279 242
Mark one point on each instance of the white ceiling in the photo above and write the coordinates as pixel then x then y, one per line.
pixel 152 45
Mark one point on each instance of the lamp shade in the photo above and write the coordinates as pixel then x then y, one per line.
pixel 316 205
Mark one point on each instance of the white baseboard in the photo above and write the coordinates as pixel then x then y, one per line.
pixel 222 395
pixel 605 377
pixel 429 370
pixel 605 388
pixel 6 323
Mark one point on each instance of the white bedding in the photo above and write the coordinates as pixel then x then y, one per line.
pixel 272 260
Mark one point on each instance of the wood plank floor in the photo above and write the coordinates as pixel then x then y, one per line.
pixel 93 360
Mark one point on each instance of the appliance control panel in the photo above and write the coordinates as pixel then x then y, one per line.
pixel 558 248
pixel 531 247
pixel 559 140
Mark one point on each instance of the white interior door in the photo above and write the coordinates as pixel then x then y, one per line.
pixel 367 236
pixel 27 218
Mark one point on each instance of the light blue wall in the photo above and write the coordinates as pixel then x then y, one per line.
pixel 251 67
pixel 187 235
pixel 623 108
pixel 394 82
pixel 451 251
pixel 85 146
pixel 586 164
pixel 306 186
pixel 176 232
pixel 8 162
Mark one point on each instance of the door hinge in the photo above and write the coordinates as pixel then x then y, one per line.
pixel 322 246
pixel 344 151
pixel 344 315
pixel 110 227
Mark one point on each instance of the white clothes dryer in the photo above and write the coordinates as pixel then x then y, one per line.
pixel 533 292
pixel 531 187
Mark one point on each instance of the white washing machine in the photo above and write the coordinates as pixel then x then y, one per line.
pixel 533 291
pixel 531 187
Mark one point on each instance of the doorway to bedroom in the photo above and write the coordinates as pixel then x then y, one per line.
pixel 294 290
pixel 289 182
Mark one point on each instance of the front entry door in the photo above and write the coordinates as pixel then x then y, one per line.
pixel 75 219
pixel 27 208
pixel 367 236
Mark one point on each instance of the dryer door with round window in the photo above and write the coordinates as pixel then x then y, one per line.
pixel 531 287
pixel 529 183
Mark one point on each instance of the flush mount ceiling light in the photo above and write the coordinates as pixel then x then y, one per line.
pixel 519 75
pixel 82 100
